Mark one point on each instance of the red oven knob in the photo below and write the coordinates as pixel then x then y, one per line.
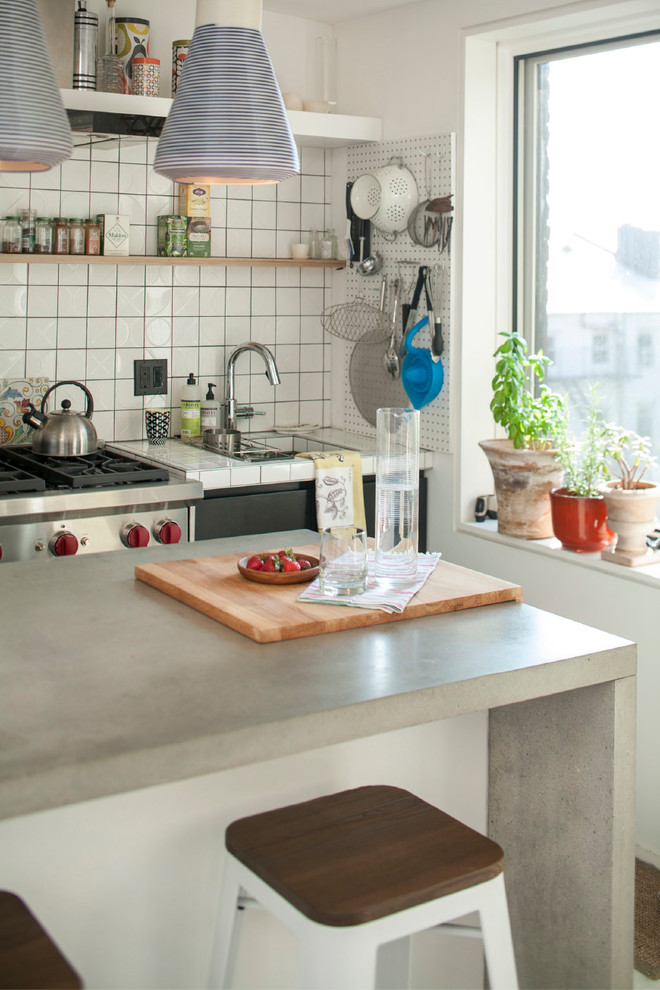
pixel 63 544
pixel 134 535
pixel 167 531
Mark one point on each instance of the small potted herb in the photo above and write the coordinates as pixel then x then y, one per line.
pixel 630 500
pixel 579 512
pixel 524 466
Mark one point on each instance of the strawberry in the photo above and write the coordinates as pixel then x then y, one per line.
pixel 254 563
pixel 269 565
pixel 304 564
pixel 290 565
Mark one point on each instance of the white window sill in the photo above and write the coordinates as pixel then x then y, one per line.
pixel 648 574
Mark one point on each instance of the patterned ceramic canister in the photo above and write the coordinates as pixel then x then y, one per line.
pixel 157 425
pixel 179 52
pixel 132 34
pixel 15 397
pixel 146 76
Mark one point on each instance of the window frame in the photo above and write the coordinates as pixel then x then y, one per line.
pixel 485 192
pixel 525 178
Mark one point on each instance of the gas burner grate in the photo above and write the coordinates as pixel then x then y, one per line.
pixel 102 469
pixel 14 480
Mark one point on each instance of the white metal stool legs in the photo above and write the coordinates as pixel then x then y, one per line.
pixel 344 958
pixel 496 933
pixel 228 926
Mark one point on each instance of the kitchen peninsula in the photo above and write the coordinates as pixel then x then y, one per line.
pixel 111 692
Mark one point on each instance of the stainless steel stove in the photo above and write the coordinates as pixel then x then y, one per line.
pixel 61 506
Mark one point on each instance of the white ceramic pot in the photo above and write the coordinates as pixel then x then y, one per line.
pixel 631 514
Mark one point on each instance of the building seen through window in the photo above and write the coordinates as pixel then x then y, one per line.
pixel 588 235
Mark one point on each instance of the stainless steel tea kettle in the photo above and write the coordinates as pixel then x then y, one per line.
pixel 63 434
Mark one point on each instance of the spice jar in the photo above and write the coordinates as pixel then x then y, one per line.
pixel 76 236
pixel 100 219
pixel 314 244
pixel 329 246
pixel 43 236
pixel 61 236
pixel 12 236
pixel 27 219
pixel 92 237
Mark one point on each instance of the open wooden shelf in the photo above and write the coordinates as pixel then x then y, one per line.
pixel 96 259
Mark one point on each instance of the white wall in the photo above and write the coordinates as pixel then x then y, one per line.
pixel 128 886
pixel 407 66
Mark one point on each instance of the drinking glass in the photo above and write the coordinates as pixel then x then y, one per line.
pixel 343 560
pixel 397 496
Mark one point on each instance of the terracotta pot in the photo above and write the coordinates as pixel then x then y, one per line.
pixel 580 521
pixel 631 514
pixel 523 481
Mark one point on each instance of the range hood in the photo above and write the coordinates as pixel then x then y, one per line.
pixel 102 118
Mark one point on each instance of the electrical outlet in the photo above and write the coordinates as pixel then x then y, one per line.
pixel 150 377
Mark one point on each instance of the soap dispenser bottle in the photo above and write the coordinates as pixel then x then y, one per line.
pixel 191 403
pixel 210 410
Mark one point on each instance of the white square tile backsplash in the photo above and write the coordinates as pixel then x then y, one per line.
pixel 90 322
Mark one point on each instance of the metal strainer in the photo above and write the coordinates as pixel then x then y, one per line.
pixel 356 320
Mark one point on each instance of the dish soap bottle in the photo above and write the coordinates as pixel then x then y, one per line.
pixel 191 403
pixel 210 409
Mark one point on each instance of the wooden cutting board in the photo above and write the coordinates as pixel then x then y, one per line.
pixel 270 613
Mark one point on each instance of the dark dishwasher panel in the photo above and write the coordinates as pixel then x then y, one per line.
pixel 276 508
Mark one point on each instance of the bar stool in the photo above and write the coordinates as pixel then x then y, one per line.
pixel 350 871
pixel 29 959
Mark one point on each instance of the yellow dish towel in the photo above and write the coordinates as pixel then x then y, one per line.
pixel 339 496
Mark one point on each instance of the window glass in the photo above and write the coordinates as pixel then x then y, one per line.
pixel 588 235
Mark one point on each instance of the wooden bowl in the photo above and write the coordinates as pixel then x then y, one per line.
pixel 280 577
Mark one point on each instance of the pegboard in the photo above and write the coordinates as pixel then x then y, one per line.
pixel 401 259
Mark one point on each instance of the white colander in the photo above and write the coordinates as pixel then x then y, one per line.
pixel 365 196
pixel 398 197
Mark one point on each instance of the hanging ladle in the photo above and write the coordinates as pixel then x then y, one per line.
pixel 373 263
pixel 391 356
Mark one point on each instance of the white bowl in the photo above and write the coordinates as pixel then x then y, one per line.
pixel 316 106
pixel 292 101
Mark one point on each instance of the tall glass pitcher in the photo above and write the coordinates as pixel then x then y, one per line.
pixel 397 495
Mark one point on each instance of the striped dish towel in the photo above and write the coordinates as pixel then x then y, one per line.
pixel 377 594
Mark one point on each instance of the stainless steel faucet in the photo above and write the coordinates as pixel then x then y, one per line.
pixel 231 410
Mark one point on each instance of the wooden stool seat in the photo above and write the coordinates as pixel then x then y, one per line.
pixel 351 857
pixel 361 871
pixel 29 959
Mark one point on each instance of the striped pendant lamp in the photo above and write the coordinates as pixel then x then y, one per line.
pixel 34 129
pixel 228 123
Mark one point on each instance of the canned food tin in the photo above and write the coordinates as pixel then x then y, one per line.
pixel 132 34
pixel 146 76
pixel 173 236
pixel 179 52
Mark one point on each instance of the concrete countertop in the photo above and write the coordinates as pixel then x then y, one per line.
pixel 216 471
pixel 107 685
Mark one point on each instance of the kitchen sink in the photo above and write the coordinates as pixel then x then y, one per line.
pixel 268 445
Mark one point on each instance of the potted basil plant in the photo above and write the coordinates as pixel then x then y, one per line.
pixel 524 465
pixel 579 512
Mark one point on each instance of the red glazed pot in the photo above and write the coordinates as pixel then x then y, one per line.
pixel 579 521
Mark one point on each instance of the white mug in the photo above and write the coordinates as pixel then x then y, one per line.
pixel 300 251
